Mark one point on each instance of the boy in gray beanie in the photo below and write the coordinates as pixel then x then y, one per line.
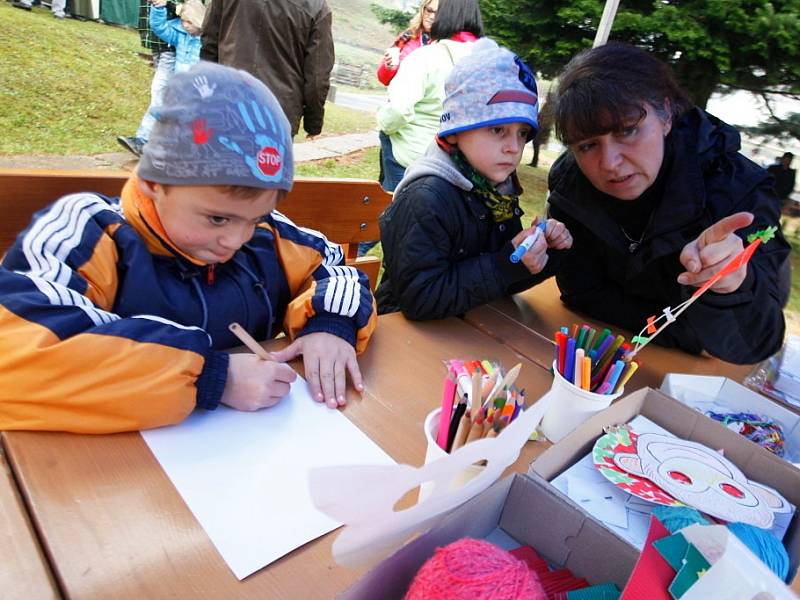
pixel 449 235
pixel 143 287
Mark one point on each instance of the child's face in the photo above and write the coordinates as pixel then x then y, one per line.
pixel 207 223
pixel 493 151
pixel 190 29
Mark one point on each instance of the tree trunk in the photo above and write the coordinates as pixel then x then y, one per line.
pixel 698 78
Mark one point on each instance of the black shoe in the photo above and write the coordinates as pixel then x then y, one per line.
pixel 21 5
pixel 132 144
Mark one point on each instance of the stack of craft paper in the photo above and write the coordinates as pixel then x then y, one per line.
pixel 615 483
pixel 244 475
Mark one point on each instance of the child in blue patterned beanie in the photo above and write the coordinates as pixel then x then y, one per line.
pixel 455 221
pixel 144 287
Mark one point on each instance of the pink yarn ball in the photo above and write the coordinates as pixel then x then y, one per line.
pixel 474 570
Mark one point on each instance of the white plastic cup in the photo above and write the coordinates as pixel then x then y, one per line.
pixel 434 452
pixel 571 407
pixel 393 54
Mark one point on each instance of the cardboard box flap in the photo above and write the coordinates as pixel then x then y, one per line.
pixel 364 497
pixel 567 538
pixel 527 510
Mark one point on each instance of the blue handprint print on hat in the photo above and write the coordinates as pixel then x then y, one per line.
pixel 219 126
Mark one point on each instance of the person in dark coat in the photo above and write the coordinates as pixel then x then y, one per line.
pixel 785 177
pixel 455 220
pixel 658 199
pixel 287 44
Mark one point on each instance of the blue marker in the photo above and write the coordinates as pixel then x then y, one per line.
pixel 526 244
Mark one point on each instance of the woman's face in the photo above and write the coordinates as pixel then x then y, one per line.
pixel 429 15
pixel 624 163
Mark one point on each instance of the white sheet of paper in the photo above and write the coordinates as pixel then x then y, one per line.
pixel 244 475
pixel 600 501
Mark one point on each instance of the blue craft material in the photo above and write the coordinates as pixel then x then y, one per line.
pixel 757 428
pixel 675 518
pixel 764 545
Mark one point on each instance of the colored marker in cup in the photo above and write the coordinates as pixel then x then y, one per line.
pixel 526 244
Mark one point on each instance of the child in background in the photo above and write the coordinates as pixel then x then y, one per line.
pixel 183 33
pixel 114 312
pixel 455 220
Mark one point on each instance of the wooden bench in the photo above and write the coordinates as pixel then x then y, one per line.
pixel 345 210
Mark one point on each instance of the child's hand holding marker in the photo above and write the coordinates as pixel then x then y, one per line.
pixel 597 363
pixel 533 253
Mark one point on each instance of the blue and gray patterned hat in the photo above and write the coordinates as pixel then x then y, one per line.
pixel 490 86
pixel 219 126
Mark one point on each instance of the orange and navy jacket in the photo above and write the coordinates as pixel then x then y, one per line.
pixel 106 327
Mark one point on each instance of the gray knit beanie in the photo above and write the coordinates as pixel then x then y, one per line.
pixel 490 86
pixel 219 126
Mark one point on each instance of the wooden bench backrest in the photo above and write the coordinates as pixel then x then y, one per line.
pixel 345 210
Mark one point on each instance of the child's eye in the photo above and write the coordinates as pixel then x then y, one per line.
pixel 496 129
pixel 523 133
pixel 219 221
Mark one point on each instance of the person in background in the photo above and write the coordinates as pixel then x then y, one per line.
pixel 115 312
pixel 785 177
pixel 410 120
pixel 182 33
pixel 57 7
pixel 164 64
pixel 658 200
pixel 287 44
pixel 449 235
pixel 418 34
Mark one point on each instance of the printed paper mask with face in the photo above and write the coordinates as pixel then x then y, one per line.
pixel 702 478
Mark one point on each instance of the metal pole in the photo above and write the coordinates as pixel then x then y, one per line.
pixel 609 12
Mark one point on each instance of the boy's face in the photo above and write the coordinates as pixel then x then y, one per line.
pixel 205 222
pixel 493 151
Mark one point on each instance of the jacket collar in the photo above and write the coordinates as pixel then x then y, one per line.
pixel 140 212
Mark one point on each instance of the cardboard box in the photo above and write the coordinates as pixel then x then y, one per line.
pixel 525 508
pixel 686 423
pixel 698 391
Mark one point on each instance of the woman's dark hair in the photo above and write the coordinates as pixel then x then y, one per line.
pixel 453 16
pixel 602 89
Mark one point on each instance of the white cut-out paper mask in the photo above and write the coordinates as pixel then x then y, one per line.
pixel 363 497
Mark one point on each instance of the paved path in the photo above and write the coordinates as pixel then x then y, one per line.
pixel 322 147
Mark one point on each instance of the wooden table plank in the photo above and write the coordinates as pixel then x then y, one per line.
pixel 115 525
pixel 526 323
pixel 24 570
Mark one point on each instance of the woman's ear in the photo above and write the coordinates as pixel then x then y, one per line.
pixel 668 111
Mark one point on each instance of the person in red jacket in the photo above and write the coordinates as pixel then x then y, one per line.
pixel 417 34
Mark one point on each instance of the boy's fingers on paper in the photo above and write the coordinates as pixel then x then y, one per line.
pixel 282 372
pixel 722 228
pixel 355 373
pixel 327 380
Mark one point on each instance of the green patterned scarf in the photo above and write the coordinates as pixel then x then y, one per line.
pixel 501 205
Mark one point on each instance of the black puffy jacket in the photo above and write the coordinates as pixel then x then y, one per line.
pixel 444 254
pixel 705 180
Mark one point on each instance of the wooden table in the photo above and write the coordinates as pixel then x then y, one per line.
pixel 526 323
pixel 24 571
pixel 114 525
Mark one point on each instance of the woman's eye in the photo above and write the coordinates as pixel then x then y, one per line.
pixel 584 147
pixel 218 220
pixel 628 131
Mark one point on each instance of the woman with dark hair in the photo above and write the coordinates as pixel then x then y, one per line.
pixel 410 120
pixel 658 199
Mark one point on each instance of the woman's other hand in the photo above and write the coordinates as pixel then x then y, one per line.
pixel 711 251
